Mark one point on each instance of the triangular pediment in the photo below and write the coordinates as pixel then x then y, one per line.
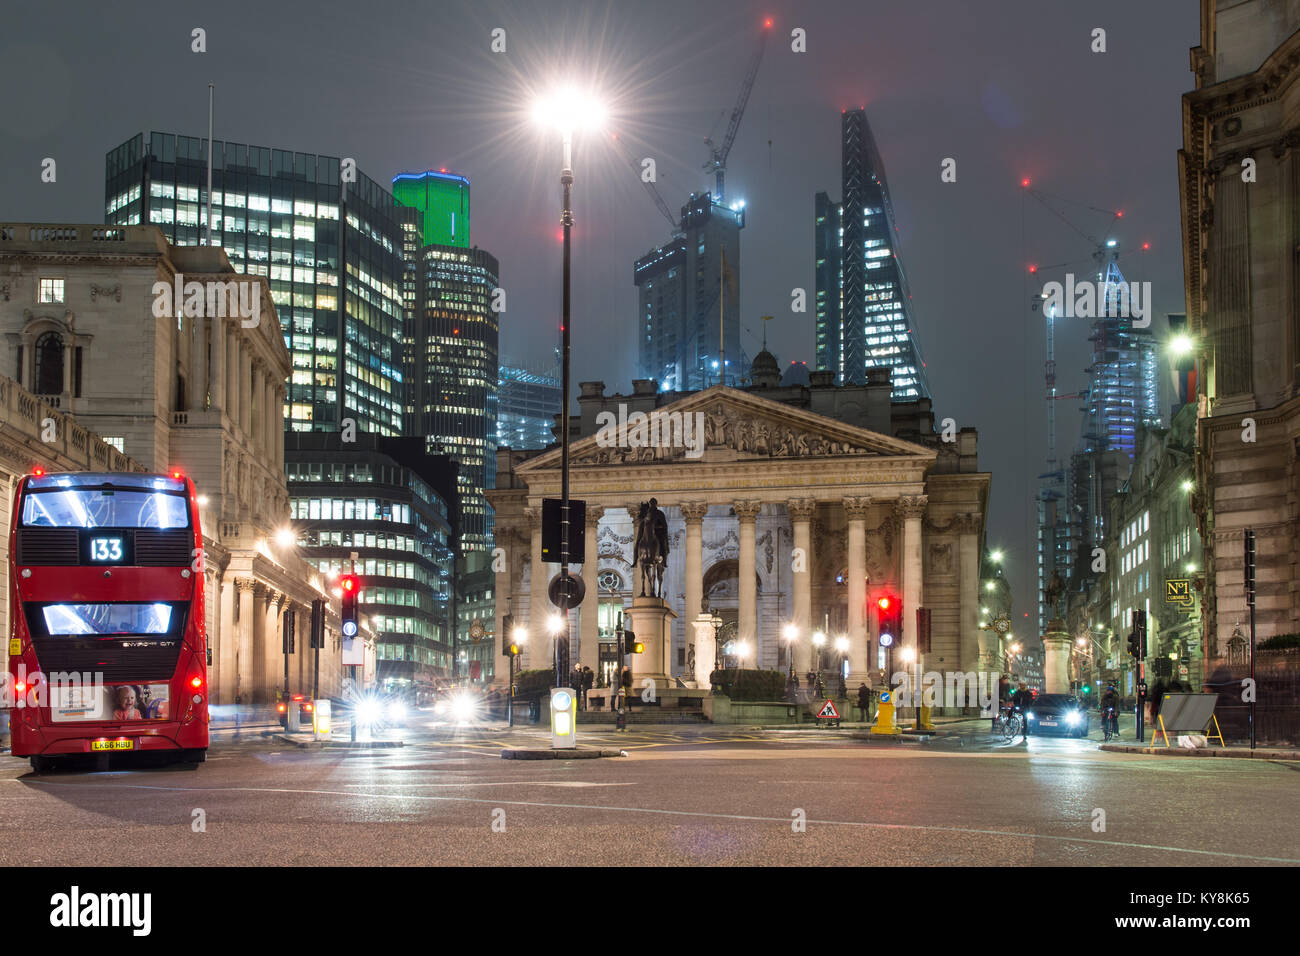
pixel 723 424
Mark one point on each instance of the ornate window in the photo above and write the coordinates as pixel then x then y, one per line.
pixel 49 364
pixel 609 580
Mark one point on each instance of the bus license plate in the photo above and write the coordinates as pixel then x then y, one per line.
pixel 112 745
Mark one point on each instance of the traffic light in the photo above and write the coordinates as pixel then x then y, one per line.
pixel 890 613
pixel 1140 630
pixel 1132 644
pixel 512 650
pixel 350 585
pixel 507 635
pixel 631 645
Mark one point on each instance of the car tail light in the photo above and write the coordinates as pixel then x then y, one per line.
pixel 306 707
pixel 281 708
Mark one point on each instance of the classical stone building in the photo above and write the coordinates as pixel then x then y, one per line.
pixel 1239 172
pixel 778 514
pixel 204 393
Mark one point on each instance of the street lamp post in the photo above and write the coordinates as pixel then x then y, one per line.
pixel 565 110
pixel 520 637
pixel 842 645
pixel 790 633
pixel 819 641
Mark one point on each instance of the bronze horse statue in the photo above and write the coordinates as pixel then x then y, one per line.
pixel 651 547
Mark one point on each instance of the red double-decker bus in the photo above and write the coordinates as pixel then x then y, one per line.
pixel 107 645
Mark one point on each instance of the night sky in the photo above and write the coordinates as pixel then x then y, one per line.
pixel 1009 89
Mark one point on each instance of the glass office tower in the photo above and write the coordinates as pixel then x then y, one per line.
pixel 863 306
pixel 442 200
pixel 285 215
pixel 528 403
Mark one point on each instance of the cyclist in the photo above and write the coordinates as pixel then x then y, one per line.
pixel 1020 702
pixel 1110 710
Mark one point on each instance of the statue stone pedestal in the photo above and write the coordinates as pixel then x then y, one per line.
pixel 1056 658
pixel 705 650
pixel 652 624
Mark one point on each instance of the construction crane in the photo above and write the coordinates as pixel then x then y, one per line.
pixel 1102 249
pixel 648 183
pixel 717 163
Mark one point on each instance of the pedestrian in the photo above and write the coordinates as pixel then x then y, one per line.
pixel 864 702
pixel 588 682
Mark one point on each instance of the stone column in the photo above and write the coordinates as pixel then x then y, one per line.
pixel 198 365
pixel 245 389
pixel 1056 658
pixel 244 651
pixel 705 649
pixel 968 558
pixel 693 513
pixel 539 605
pixel 273 662
pixel 589 631
pixel 218 345
pixel 277 421
pixel 226 644
pixel 911 509
pixel 268 408
pixel 747 586
pixel 233 374
pixel 855 510
pixel 801 511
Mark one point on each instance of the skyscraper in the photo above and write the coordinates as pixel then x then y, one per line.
pixel 442 200
pixel 863 306
pixel 285 215
pixel 684 298
pixel 453 331
pixel 528 402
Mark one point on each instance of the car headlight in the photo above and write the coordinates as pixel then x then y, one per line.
pixel 368 711
pixel 462 707
pixel 1029 715
pixel 1073 717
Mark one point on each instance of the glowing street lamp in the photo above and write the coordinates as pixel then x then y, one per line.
pixel 567 109
pixel 1181 345
pixel 791 634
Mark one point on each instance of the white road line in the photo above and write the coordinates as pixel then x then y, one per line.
pixel 785 821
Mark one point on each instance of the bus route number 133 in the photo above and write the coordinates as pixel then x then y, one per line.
pixel 106 549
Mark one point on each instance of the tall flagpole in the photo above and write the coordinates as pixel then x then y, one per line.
pixel 209 220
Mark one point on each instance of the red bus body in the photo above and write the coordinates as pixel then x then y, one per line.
pixel 162 673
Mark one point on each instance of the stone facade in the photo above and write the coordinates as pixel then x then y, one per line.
pixel 785 516
pixel 1240 186
pixel 201 393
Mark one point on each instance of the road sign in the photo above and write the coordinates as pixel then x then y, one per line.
pixel 552 530
pixel 828 710
pixel 566 598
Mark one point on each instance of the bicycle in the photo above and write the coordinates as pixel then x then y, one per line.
pixel 1011 724
pixel 1109 723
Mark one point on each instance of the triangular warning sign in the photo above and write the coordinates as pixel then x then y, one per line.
pixel 828 710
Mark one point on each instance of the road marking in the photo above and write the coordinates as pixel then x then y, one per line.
pixel 506 783
pixel 785 821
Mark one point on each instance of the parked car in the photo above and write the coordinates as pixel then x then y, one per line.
pixel 1057 714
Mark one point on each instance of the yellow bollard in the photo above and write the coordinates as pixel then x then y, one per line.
pixel 926 723
pixel 885 718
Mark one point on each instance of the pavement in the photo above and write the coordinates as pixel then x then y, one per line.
pixel 682 795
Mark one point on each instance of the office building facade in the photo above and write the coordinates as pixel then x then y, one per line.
pixel 376 498
pixel 331 250
pixel 688 294
pixel 528 402
pixel 863 305
pixel 454 374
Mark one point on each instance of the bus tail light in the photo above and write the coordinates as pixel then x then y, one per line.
pixel 196 682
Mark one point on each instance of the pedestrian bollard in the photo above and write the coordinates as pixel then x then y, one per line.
pixel 885 717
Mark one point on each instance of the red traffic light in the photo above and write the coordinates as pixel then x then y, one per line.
pixel 348 582
pixel 883 603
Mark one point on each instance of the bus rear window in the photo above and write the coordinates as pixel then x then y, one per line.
pixel 106 619
pixel 104 508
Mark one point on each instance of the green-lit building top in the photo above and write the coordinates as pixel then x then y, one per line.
pixel 443 201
